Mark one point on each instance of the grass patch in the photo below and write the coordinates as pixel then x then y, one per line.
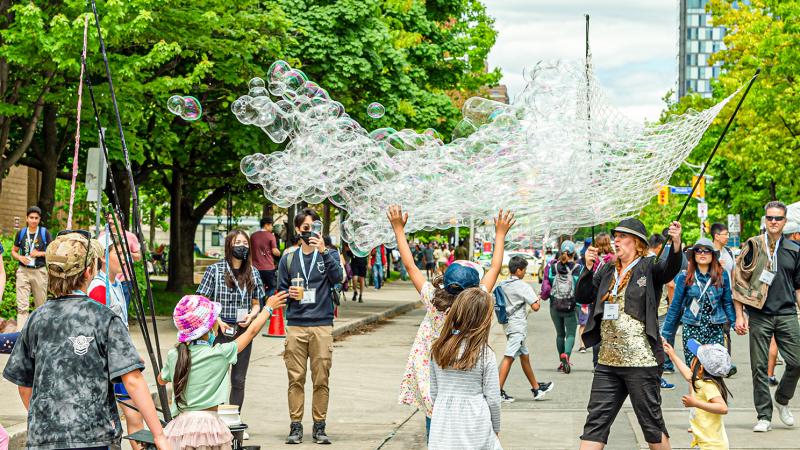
pixel 165 300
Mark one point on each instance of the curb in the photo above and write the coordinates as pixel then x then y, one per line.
pixel 387 314
pixel 18 433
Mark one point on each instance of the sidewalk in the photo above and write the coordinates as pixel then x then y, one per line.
pixel 392 300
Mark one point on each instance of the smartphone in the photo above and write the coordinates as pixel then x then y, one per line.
pixel 230 331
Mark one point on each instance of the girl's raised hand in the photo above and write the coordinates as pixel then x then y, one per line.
pixel 397 218
pixel 503 222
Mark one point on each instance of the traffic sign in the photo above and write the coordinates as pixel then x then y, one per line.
pixel 702 210
pixel 734 223
pixel 681 190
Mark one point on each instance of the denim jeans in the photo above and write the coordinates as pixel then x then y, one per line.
pixel 667 362
pixel 377 275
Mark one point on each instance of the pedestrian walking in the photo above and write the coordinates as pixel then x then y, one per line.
pixel 377 262
pixel 702 302
pixel 236 285
pixel 770 263
pixel 625 324
pixel 519 296
pixel 563 277
pixel 265 250
pixel 430 260
pixel 310 275
pixel 708 394
pixel 29 249
pixel 464 386
pixel 70 352
pixel 437 297
pixel 199 371
pixel 358 265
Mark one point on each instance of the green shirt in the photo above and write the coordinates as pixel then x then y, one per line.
pixel 209 378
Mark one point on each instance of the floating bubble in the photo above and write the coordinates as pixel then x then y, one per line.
pixel 187 107
pixel 375 110
pixel 544 157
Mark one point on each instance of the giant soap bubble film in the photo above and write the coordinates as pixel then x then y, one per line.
pixel 560 156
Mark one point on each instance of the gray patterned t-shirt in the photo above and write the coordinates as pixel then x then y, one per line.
pixel 70 351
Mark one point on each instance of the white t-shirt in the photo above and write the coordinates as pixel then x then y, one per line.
pixel 727 261
pixel 518 292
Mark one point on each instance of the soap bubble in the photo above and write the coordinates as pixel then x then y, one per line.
pixel 186 107
pixel 375 110
pixel 543 157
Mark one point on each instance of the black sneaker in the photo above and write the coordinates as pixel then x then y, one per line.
pixel 544 388
pixel 773 381
pixel 355 296
pixel 360 298
pixel 319 435
pixel 505 397
pixel 295 433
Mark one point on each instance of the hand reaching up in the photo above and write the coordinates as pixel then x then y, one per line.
pixel 397 218
pixel 503 222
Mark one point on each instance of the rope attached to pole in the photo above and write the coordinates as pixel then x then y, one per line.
pixel 78 124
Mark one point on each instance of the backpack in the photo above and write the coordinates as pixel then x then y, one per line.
pixel 23 232
pixel 562 293
pixel 501 302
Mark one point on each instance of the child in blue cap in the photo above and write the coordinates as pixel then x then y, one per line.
pixel 437 297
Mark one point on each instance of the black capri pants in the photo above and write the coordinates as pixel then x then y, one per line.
pixel 610 387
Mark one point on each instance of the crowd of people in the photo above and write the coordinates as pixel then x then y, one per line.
pixel 624 296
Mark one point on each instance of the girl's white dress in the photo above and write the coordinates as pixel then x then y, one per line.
pixel 466 406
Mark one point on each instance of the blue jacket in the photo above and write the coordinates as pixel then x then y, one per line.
pixel 680 308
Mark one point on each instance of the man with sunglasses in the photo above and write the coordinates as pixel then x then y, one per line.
pixel 777 317
pixel 68 354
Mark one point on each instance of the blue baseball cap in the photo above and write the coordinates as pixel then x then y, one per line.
pixel 462 275
pixel 568 246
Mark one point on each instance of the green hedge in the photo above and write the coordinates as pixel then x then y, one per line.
pixel 8 306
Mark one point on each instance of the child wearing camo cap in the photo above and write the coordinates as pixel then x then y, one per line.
pixel 709 395
pixel 70 351
pixel 199 372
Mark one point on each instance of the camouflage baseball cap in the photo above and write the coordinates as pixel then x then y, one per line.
pixel 66 255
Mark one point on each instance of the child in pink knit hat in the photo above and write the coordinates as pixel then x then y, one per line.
pixel 198 392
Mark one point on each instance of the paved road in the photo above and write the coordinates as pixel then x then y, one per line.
pixel 364 413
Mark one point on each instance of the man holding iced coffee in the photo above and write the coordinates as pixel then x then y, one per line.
pixel 309 274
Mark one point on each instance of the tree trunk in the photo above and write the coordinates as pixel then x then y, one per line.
pixel 180 273
pixel 49 163
pixel 153 225
pixel 326 218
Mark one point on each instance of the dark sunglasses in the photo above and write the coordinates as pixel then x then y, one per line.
pixel 703 251
pixel 775 218
pixel 88 237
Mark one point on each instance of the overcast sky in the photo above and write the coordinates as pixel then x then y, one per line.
pixel 633 42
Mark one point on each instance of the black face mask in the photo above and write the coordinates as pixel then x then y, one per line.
pixel 240 252
pixel 306 236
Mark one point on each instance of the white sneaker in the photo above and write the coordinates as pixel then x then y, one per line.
pixel 785 414
pixel 762 426
pixel 245 436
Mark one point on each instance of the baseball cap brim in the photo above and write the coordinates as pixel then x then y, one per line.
pixel 693 346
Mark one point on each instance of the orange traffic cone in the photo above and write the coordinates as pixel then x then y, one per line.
pixel 276 325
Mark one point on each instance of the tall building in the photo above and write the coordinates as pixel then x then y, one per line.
pixel 698 39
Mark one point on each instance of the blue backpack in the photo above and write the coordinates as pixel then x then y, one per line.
pixel 501 302
pixel 23 231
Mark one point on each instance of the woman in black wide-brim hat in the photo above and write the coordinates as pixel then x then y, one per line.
pixel 624 322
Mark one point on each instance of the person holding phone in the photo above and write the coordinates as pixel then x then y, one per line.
pixel 309 274
pixel 236 285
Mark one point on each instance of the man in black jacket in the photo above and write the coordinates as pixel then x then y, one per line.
pixel 309 316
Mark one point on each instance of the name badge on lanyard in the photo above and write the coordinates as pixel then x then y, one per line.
pixel 768 275
pixel 611 311
pixel 31 244
pixel 241 313
pixel 310 294
pixel 695 306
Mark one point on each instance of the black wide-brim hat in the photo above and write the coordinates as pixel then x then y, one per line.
pixel 633 227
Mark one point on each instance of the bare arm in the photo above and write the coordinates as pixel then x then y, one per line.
pixel 715 406
pixel 276 301
pixel 15 254
pixel 502 223
pixel 398 219
pixel 741 325
pixel 140 394
pixel 25 394
pixel 682 367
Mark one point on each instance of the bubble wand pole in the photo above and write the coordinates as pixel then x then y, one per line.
pixel 716 146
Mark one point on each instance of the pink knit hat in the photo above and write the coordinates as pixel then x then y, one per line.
pixel 194 316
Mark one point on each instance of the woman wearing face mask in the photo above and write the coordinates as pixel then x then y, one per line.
pixel 624 321
pixel 702 301
pixel 236 285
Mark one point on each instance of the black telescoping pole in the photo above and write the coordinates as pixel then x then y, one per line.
pixel 716 146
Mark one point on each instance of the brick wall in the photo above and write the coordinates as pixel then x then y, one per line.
pixel 20 190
